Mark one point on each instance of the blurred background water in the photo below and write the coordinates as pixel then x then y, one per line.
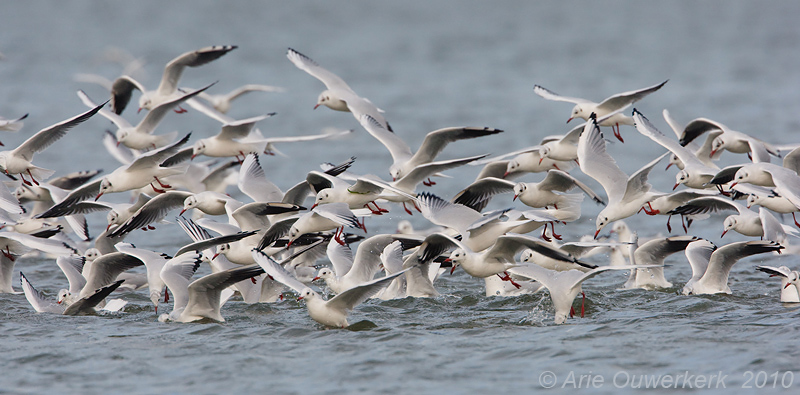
pixel 429 65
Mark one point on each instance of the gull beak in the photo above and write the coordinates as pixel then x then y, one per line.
pixel 505 174
pixel 215 256
pixel 668 166
pixel 299 298
pixel 182 211
pixel 515 197
pixel 108 227
pixel 193 155
pixel 596 233
pixel 786 286
pixel 314 205
pixel 711 155
pixel 723 233
pixel 676 185
pixel 570 118
pixel 733 185
pixel 139 110
pixel 315 278
pixel 118 143
pixel 98 196
pixel 315 107
pixel 540 160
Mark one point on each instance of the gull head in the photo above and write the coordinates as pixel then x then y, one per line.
pixel 681 178
pixel 145 102
pixel 396 172
pixel 198 148
pixel 673 160
pixel 24 192
pixel 307 294
pixel 561 317
pixel 324 196
pixel 294 233
pixel 742 175
pixel 325 274
pixel 105 186
pixel 62 296
pixel 456 257
pixel 526 256
pixel 577 112
pixel 793 278
pixel 330 100
pixel 512 167
pixel 519 189
pixel 405 227
pixel 717 145
pixel 122 135
pixel 753 199
pixel 189 203
pixel 112 218
pixel 155 296
pixel 730 223
pixel 91 254
pixel 600 223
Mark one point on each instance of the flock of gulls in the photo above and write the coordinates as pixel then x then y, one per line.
pixel 311 239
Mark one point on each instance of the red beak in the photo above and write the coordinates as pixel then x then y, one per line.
pixel 192 158
pixel 668 166
pixel 108 227
pixel 314 205
pixel 182 211
pixel 299 298
pixel 515 198
pixel 315 278
pixel 98 196
pixel 570 118
pixel 723 234
pixel 713 151
pixel 540 160
pixel 676 185
pixel 596 233
pixel 118 143
pixel 139 110
pixel 315 107
pixel 215 256
pixel 505 174
pixel 734 184
pixel 786 286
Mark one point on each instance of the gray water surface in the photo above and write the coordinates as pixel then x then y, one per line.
pixel 429 66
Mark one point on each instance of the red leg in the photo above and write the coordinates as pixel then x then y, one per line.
pixel 383 210
pixel 166 294
pixel 157 189
pixel 685 229
pixel 583 301
pixel 162 184
pixel 795 221
pixel 508 278
pixel 544 234
pixel 32 179
pixel 669 227
pixel 407 210
pixel 556 235
pixel 616 133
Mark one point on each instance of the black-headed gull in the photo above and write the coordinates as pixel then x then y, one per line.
pixel 695 173
pixel 653 252
pixel 548 192
pixel 348 271
pixel 686 135
pixel 711 266
pixel 203 295
pixel 141 136
pixel 145 169
pixel 222 102
pixel 495 260
pixel 405 161
pixel 153 262
pixel 122 88
pixel 11 125
pixel 82 306
pixel 789 277
pixel 332 312
pixel 564 286
pixel 746 222
pixel 626 195
pixel 584 108
pixel 18 160
pixel 105 269
pixel 339 96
